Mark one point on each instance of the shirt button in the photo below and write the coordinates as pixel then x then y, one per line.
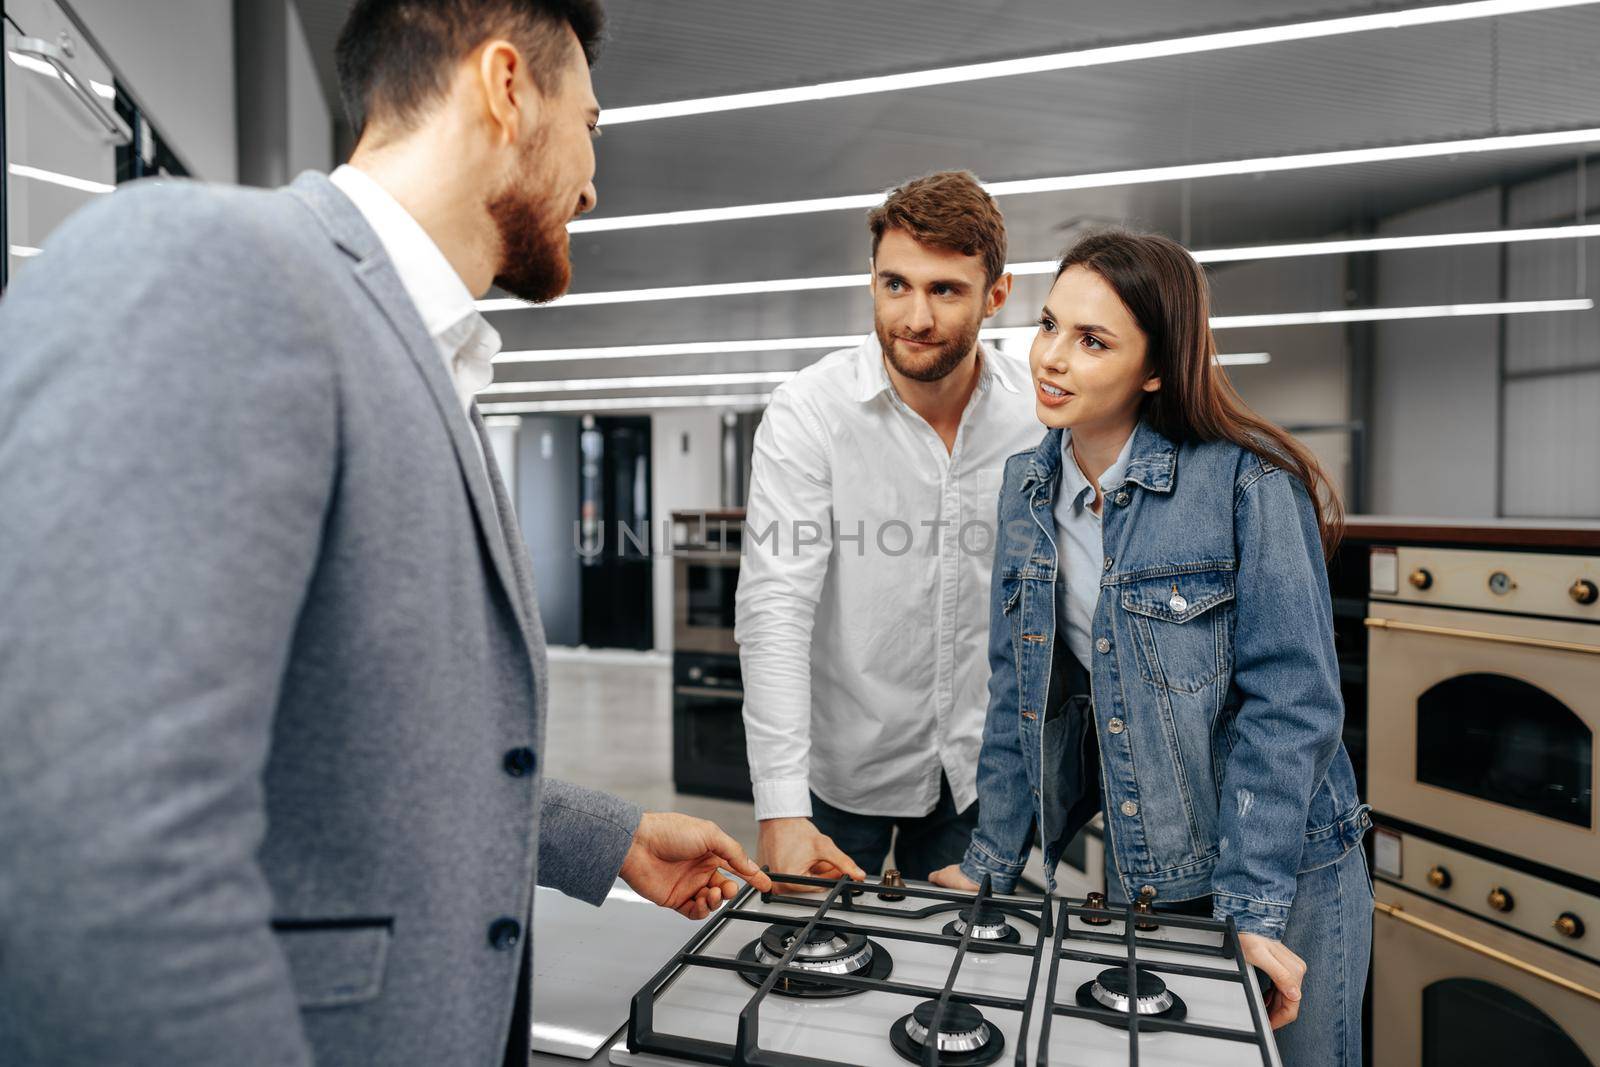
pixel 1122 499
pixel 1102 646
pixel 1108 563
pixel 519 762
pixel 504 934
pixel 1115 726
pixel 1129 808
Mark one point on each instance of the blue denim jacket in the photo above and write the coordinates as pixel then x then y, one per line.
pixel 1214 689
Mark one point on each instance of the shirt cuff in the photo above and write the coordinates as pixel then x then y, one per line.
pixel 783 798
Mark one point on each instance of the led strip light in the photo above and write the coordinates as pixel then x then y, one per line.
pixel 1087 57
pixel 1023 333
pixel 82 185
pixel 1110 179
pixel 749 401
pixel 1048 266
pixel 682 381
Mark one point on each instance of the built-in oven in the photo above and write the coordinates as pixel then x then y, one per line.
pixel 1483 707
pixel 1476 962
pixel 708 746
pixel 705 581
pixel 1484 699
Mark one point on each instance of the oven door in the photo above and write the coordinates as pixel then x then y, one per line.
pixel 709 757
pixel 1450 989
pixel 1483 727
pixel 704 585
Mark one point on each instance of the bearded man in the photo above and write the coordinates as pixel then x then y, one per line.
pixel 863 600
pixel 272 676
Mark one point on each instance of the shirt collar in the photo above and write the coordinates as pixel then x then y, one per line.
pixel 461 333
pixel 1075 487
pixel 872 376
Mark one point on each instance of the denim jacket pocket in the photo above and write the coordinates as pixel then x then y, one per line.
pixel 1181 624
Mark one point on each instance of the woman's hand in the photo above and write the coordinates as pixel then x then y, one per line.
pixel 1286 971
pixel 951 878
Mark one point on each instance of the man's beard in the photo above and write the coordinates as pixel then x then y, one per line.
pixel 933 365
pixel 534 263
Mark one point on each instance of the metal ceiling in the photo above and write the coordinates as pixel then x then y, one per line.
pixel 1471 79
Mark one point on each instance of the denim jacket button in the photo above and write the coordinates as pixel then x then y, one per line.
pixel 1108 563
pixel 1129 808
pixel 1122 499
pixel 1115 726
pixel 1102 646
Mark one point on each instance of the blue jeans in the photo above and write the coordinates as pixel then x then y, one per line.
pixel 922 845
pixel 1330 927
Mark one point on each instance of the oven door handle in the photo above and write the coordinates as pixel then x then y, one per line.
pixel 117 131
pixel 706 691
pixel 1479 635
pixel 1395 912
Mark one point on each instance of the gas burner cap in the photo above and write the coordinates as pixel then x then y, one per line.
pixel 828 950
pixel 965 1039
pixel 1151 997
pixel 989 925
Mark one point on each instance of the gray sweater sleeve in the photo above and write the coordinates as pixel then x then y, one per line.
pixel 168 443
pixel 583 836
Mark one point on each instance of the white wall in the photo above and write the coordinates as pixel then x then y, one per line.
pixel 177 56
pixel 686 474
pixel 310 119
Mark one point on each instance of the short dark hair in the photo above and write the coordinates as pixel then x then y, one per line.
pixel 394 56
pixel 948 210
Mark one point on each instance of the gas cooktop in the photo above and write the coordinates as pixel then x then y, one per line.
pixel 881 976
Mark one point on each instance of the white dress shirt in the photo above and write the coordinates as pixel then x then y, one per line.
pixel 464 338
pixel 863 616
pixel 1080 542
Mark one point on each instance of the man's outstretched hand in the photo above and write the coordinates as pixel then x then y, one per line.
pixel 677 861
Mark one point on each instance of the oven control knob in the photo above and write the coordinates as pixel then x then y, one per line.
pixel 1421 578
pixel 1584 591
pixel 1439 878
pixel 1500 900
pixel 1569 925
pixel 695 674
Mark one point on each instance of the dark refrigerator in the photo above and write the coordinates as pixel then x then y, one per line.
pixel 615 540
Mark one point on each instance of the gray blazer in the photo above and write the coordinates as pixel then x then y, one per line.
pixel 272 684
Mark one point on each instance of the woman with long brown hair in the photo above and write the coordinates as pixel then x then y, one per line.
pixel 1161 644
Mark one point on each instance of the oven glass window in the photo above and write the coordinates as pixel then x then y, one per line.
pixel 1469 1021
pixel 1503 740
pixel 711 589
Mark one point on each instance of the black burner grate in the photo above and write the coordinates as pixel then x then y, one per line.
pixel 1056 938
pixel 1131 942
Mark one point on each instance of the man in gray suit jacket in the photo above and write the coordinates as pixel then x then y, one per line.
pixel 272 676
